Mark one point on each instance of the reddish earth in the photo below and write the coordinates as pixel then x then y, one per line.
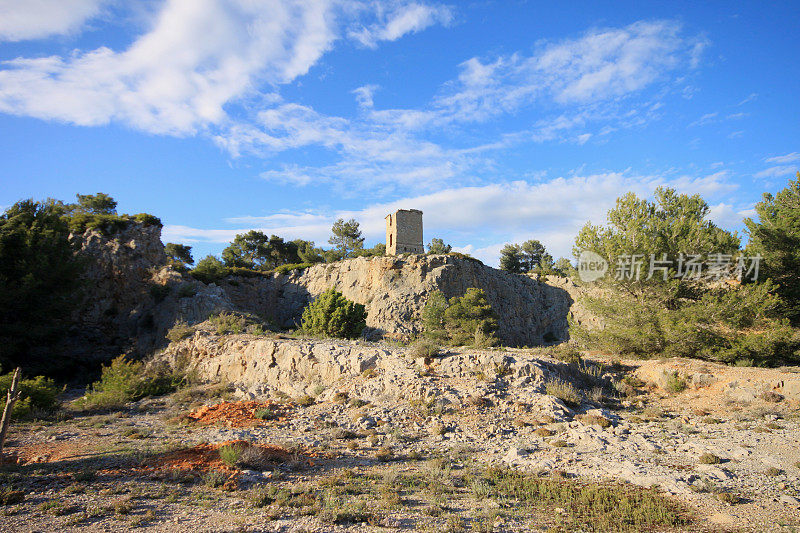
pixel 238 414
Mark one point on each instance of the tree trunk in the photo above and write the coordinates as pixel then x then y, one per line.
pixel 11 399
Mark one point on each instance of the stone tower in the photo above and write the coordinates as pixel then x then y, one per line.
pixel 404 232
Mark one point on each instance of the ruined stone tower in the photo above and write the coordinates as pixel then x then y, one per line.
pixel 404 232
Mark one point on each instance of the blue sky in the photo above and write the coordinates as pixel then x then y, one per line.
pixel 502 121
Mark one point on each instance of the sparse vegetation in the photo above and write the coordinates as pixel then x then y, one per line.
pixel 709 459
pixel 179 331
pixel 37 395
pixel 675 382
pixel 563 390
pixel 123 381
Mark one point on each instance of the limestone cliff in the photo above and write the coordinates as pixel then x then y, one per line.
pixel 395 289
pixel 132 297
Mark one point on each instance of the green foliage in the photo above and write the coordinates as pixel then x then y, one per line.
pixel 564 391
pixel 96 204
pixel 464 320
pixel 230 454
pixel 673 224
pixel 526 257
pixel 210 270
pixel 379 250
pixel 346 237
pixel 776 236
pixel 36 395
pixel 563 267
pixel 592 506
pixel 468 257
pixel 307 252
pixel 179 331
pixel 437 246
pixel 720 324
pixel 228 323
pixel 511 258
pixel 254 250
pixel 676 382
pixel 38 283
pixel 682 318
pixel 146 219
pixel 108 224
pixel 469 318
pixel 179 255
pixel 159 292
pixel 125 381
pixel 433 317
pixel 333 315
pixel 285 269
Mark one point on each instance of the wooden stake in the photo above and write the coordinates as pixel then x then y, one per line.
pixel 11 399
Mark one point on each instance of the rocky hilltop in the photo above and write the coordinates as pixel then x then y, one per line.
pixel 395 289
pixel 133 297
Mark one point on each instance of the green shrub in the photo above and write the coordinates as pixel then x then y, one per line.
pixel 433 317
pixel 179 331
pixel 36 394
pixel 147 219
pixel 210 270
pixel 333 315
pixel 285 269
pixel 126 381
pixel 187 290
pixel 228 323
pixel 231 453
pixel 159 292
pixel 464 320
pixel 732 325
pixel 675 382
pixel 424 348
pixel 709 459
pixel 563 390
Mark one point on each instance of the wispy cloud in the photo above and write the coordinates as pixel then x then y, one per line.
pixel 783 159
pixel 777 171
pixel 784 166
pixel 399 20
pixel 35 19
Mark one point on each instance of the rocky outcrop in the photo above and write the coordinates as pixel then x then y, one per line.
pixel 259 366
pixel 132 297
pixel 395 289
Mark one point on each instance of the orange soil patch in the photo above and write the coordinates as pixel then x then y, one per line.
pixel 236 414
pixel 47 452
pixel 204 457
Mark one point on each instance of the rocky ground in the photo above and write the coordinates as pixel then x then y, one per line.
pixel 374 437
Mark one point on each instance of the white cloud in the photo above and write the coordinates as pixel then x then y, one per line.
pixel 176 78
pixel 777 171
pixel 728 216
pixel 601 65
pixel 705 119
pixel 480 219
pixel 399 20
pixel 34 19
pixel 783 159
pixel 197 57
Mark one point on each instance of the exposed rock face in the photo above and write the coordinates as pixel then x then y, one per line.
pixel 737 384
pixel 395 289
pixel 133 297
pixel 116 311
pixel 258 366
